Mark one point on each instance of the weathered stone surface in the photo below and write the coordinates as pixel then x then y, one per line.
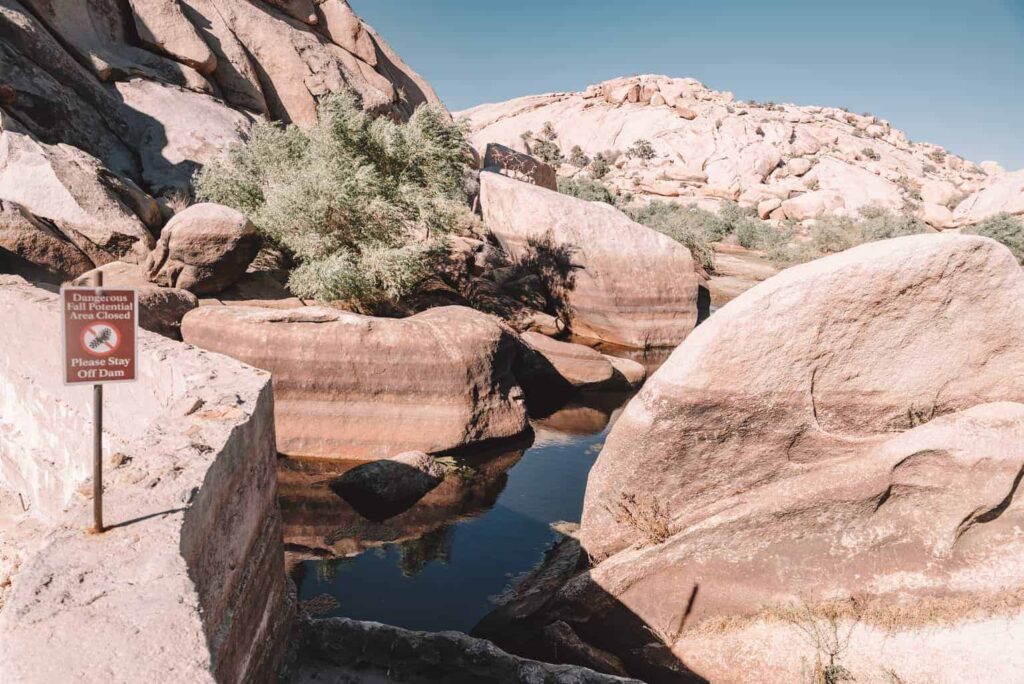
pixel 1005 194
pixel 39 245
pixel 347 30
pixel 339 393
pixel 97 32
pixel 162 25
pixel 812 205
pixel 523 167
pixel 160 308
pixel 444 656
pixel 381 489
pixel 634 287
pixel 236 73
pixel 55 97
pixel 856 346
pixel 177 131
pixel 203 249
pixel 629 374
pixel 581 366
pixel 96 210
pixel 198 590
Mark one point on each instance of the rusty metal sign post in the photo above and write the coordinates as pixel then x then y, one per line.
pixel 101 331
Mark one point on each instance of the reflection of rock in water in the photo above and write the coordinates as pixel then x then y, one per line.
pixel 587 414
pixel 651 359
pixel 318 523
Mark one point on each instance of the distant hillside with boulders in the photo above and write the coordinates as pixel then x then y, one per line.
pixel 656 137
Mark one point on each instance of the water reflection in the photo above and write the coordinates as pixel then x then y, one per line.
pixel 439 564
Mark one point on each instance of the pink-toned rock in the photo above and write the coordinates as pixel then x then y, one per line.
pixel 938 192
pixel 685 112
pixel 634 286
pixel 855 366
pixel 520 166
pixel 178 131
pixel 302 10
pixel 40 246
pixel 338 392
pixel 936 216
pixel 1005 194
pixel 862 447
pixel 100 213
pixel 163 26
pixel 581 366
pixel 765 208
pixel 347 30
pixel 160 308
pixel 203 249
pixel 812 205
pixel 798 166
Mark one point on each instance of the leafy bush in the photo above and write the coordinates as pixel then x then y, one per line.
pixel 641 149
pixel 362 203
pixel 602 163
pixel 586 189
pixel 578 158
pixel 548 151
pixel 1003 228
pixel 833 234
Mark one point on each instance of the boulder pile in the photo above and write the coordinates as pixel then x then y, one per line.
pixel 792 162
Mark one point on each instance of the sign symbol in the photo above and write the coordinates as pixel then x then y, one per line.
pixel 100 339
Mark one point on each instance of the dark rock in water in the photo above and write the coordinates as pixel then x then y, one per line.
pixel 362 649
pixel 383 489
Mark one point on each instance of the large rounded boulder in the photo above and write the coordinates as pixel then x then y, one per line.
pixel 841 445
pixel 632 285
pixel 357 387
pixel 204 249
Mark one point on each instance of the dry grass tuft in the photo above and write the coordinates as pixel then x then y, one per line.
pixel 644 514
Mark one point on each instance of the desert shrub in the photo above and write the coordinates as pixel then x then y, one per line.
pixel 641 149
pixel 1003 228
pixel 693 227
pixel 832 234
pixel 938 156
pixel 361 203
pixel 548 151
pixel 602 163
pixel 548 131
pixel 586 189
pixel 910 186
pixel 870 153
pixel 578 158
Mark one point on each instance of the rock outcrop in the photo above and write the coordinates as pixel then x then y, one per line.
pixel 708 147
pixel 359 649
pixel 107 104
pixel 633 286
pixel 521 166
pixel 844 432
pixel 203 249
pixel 188 581
pixel 160 308
pixel 352 386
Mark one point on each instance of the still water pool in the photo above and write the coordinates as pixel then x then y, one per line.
pixel 440 564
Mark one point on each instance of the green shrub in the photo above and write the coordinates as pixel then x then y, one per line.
pixel 641 149
pixel 578 158
pixel 833 234
pixel 1003 228
pixel 548 131
pixel 602 163
pixel 547 151
pixel 870 153
pixel 586 189
pixel 362 203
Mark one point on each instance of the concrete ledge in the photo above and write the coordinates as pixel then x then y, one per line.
pixel 189 583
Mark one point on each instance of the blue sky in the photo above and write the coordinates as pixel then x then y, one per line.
pixel 946 71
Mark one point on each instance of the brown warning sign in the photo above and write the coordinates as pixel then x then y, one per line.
pixel 100 334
